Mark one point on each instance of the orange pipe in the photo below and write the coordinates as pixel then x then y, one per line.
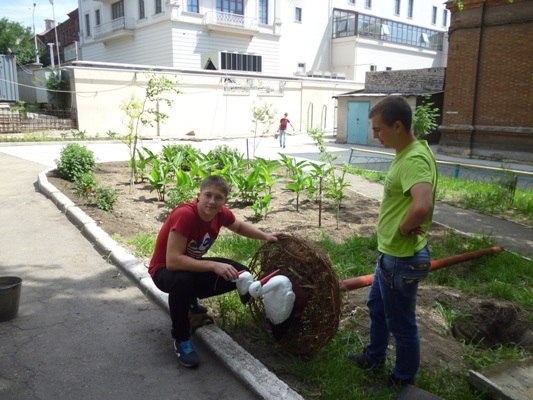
pixel 366 280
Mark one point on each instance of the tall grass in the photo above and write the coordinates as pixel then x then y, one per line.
pixel 485 197
pixel 503 276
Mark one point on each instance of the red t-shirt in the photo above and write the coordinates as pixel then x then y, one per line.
pixel 200 234
pixel 283 124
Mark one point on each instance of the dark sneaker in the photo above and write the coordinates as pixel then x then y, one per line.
pixel 245 298
pixel 395 382
pixel 196 307
pixel 187 356
pixel 362 361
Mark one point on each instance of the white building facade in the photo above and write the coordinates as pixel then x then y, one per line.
pixel 340 39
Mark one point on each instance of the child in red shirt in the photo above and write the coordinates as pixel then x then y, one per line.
pixel 178 266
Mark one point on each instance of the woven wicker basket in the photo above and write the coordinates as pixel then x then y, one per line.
pixel 317 308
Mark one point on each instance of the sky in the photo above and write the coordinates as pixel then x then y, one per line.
pixel 22 11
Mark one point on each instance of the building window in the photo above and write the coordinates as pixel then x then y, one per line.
pixel 231 6
pixel 368 4
pixel 87 25
pixel 397 7
pixel 373 67
pixel 410 7
pixel 97 17
pixel 263 12
pixel 388 68
pixel 158 8
pixel 117 9
pixel 301 68
pixel 343 23
pixel 192 6
pixel 444 17
pixel 240 62
pixel 142 14
pixel 298 14
pixel 351 1
pixel 434 16
pixel 394 31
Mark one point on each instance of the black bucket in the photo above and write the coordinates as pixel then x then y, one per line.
pixel 9 297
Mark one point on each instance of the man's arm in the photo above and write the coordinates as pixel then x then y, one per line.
pixel 421 207
pixel 178 260
pixel 248 230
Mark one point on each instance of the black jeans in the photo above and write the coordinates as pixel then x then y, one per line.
pixel 183 286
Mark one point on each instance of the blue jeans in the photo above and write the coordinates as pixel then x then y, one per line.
pixel 282 138
pixel 392 304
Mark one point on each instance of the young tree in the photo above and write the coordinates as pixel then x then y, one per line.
pixel 263 117
pixel 145 112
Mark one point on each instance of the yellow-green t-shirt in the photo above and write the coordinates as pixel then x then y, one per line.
pixel 414 164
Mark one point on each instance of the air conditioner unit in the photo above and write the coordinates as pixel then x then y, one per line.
pixel 210 60
pixel 315 74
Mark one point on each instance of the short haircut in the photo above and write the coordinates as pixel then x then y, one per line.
pixel 217 181
pixel 392 109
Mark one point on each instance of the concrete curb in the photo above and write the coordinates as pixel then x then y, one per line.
pixel 243 365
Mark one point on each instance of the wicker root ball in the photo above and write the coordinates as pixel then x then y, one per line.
pixel 317 307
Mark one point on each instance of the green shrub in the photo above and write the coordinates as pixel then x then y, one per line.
pixel 179 195
pixel 105 197
pixel 85 184
pixel 75 160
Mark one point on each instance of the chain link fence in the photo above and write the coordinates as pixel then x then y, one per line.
pixel 508 178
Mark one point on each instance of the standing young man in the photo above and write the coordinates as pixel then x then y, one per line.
pixel 403 260
pixel 178 266
pixel 283 129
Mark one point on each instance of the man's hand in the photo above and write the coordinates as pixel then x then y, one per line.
pixel 272 237
pixel 226 271
pixel 415 231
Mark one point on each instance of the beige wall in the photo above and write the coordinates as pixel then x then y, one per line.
pixel 209 104
pixel 342 119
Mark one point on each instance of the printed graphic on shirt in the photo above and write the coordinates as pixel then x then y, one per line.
pixel 197 249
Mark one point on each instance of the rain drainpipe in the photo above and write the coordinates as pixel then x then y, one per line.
pixel 476 87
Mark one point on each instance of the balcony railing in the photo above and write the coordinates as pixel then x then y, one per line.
pixel 116 28
pixel 227 22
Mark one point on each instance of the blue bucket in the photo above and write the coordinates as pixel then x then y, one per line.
pixel 9 297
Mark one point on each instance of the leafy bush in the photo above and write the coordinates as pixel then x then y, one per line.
pixel 179 195
pixel 58 84
pixel 75 160
pixel 85 184
pixel 105 197
pixel 223 154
